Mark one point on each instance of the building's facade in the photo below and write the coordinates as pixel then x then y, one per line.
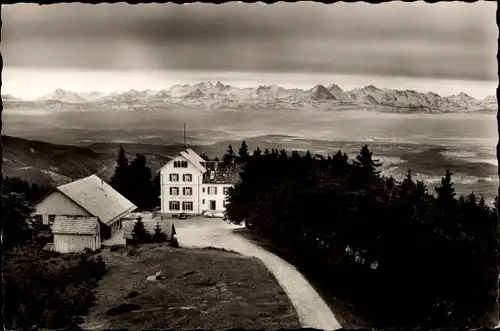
pixel 89 197
pixel 191 185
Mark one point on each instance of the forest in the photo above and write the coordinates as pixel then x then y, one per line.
pixel 410 256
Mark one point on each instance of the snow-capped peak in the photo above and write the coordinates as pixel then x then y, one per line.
pixel 63 96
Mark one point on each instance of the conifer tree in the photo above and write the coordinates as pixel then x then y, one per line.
pixel 229 157
pixel 139 233
pixel 266 152
pixel 120 179
pixel 446 192
pixel 140 183
pixel 257 152
pixel 243 152
pixel 159 235
pixel 365 163
pixel 407 185
pixel 283 155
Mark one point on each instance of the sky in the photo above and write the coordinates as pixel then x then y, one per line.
pixel 446 48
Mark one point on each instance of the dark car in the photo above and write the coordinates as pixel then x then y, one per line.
pixel 182 216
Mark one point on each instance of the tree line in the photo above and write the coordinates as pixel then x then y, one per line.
pixel 135 182
pixel 412 258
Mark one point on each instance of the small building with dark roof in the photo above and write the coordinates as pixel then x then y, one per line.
pixel 74 234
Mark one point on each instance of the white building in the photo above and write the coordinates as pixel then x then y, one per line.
pixel 78 206
pixel 191 185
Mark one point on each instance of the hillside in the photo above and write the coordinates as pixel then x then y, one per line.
pixel 52 164
pixel 209 96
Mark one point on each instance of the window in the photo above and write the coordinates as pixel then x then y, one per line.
pixel 174 177
pixel 203 190
pixel 187 177
pixel 38 219
pixel 180 164
pixel 187 205
pixel 52 218
pixel 226 190
pixel 212 190
pixel 187 191
pixel 174 191
pixel 203 201
pixel 174 205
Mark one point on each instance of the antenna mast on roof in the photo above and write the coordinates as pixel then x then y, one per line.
pixel 185 143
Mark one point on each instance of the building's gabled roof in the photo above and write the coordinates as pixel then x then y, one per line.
pixel 80 225
pixel 229 175
pixel 98 198
pixel 149 224
pixel 190 156
pixel 195 155
pixel 193 160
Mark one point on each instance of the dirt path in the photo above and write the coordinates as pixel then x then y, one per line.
pixel 312 310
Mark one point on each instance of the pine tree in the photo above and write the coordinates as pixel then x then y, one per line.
pixel 266 152
pixel 120 179
pixel 283 155
pixel 159 235
pixel 257 152
pixel 243 152
pixel 365 163
pixel 446 192
pixel 140 183
pixel 205 157
pixel 229 157
pixel 340 164
pixel 407 185
pixel 139 233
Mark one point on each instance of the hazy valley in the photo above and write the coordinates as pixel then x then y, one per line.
pixel 87 142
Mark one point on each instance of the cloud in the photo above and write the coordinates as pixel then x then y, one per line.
pixel 443 40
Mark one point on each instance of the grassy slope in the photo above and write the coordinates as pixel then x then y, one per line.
pixel 209 289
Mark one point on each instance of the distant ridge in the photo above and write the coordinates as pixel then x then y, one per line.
pixel 208 95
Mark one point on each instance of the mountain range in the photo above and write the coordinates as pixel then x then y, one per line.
pixel 209 96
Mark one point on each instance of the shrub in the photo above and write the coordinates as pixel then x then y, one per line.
pixel 48 290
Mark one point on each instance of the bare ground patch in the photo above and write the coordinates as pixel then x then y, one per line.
pixel 200 288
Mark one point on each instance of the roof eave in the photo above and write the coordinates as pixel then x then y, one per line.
pixel 127 211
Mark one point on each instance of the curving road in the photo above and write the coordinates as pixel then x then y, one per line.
pixel 313 312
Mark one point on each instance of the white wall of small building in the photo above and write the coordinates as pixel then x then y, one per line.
pixel 166 184
pixel 73 243
pixel 220 198
pixel 58 204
